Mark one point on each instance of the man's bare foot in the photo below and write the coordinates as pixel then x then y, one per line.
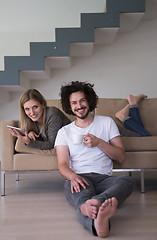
pixel 123 113
pixel 90 208
pixel 106 211
pixel 134 100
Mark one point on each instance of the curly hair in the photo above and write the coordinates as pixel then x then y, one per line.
pixel 77 86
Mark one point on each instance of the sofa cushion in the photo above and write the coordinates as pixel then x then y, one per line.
pixel 124 132
pixel 22 148
pixel 34 162
pixel 138 160
pixel 140 143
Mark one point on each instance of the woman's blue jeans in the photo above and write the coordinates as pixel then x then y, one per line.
pixel 134 122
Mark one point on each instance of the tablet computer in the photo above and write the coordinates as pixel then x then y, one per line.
pixel 18 129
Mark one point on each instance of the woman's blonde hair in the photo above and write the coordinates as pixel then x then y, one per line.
pixel 26 123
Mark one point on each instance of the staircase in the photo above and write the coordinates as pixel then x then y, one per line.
pixel 96 28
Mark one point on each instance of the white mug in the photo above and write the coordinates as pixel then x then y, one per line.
pixel 77 138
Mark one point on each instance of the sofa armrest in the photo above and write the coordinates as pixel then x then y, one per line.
pixel 7 145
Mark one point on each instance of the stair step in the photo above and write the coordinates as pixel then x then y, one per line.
pixel 96 28
pixel 129 21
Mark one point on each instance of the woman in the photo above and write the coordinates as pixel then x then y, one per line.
pixel 39 122
pixel 130 115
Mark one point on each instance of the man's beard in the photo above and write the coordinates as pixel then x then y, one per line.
pixel 83 116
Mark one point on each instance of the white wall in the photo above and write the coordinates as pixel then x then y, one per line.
pixel 129 65
pixel 23 21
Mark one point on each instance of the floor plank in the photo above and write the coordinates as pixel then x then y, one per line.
pixel 36 208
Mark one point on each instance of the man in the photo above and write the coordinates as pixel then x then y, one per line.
pixel 87 167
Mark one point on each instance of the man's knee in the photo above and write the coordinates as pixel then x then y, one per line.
pixel 128 182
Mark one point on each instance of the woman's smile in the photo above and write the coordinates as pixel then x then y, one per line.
pixel 34 110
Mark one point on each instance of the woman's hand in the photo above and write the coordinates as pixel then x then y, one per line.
pixel 33 135
pixel 16 133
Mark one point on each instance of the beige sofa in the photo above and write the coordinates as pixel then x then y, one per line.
pixel 141 152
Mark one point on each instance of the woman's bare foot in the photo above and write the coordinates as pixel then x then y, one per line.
pixel 106 211
pixel 90 208
pixel 134 100
pixel 123 113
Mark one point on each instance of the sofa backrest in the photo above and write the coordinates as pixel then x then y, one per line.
pixel 109 106
pixel 57 103
pixel 147 108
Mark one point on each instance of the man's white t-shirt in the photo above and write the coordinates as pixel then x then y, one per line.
pixel 82 158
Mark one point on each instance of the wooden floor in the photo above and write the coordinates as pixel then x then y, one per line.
pixel 35 208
